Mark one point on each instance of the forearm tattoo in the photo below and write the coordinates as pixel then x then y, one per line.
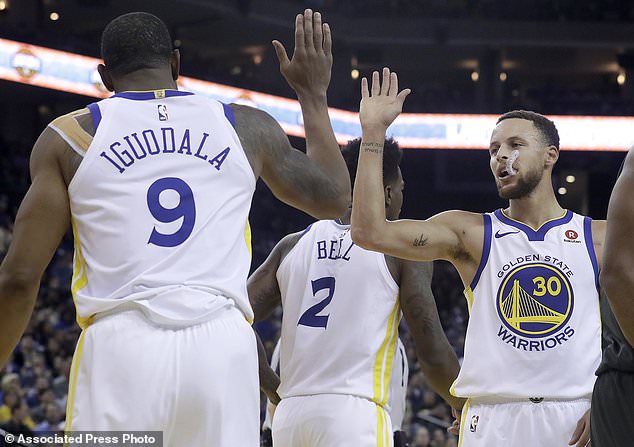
pixel 376 148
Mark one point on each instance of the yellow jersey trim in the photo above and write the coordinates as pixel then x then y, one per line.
pixel 69 129
pixel 468 294
pixel 80 277
pixel 463 418
pixel 385 357
pixel 247 237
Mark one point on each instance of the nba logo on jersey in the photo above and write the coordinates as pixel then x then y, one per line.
pixel 162 112
pixel 474 423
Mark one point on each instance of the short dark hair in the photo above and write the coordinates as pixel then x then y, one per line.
pixel 392 155
pixel 135 41
pixel 545 126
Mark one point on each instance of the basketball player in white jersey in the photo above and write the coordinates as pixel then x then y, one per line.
pixel 396 401
pixel 530 275
pixel 341 309
pixel 157 184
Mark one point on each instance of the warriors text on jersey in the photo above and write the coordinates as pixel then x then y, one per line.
pixel 341 315
pixel 159 207
pixel 534 325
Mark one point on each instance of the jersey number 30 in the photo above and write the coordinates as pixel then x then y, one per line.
pixel 310 317
pixel 185 209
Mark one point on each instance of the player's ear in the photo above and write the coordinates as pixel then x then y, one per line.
pixel 106 78
pixel 175 63
pixel 388 195
pixel 552 155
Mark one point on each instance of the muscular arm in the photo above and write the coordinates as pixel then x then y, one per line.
pixel 262 286
pixel 41 222
pixel 617 274
pixel 269 380
pixel 437 358
pixel 317 183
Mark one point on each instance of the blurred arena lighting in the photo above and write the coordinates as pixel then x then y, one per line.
pixel 620 78
pixel 72 73
pixel 4 5
pixel 570 178
pixel 354 73
pixel 475 76
pixel 54 16
pixel 503 76
pixel 562 190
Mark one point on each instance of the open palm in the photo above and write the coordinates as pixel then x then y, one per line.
pixel 380 106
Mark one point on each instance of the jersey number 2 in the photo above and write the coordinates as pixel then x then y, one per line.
pixel 310 317
pixel 185 209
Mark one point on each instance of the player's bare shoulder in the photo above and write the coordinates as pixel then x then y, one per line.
pixel 258 132
pixel 68 138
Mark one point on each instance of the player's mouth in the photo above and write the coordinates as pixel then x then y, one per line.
pixel 504 174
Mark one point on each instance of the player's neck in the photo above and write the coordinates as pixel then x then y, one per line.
pixel 145 80
pixel 537 208
pixel 345 219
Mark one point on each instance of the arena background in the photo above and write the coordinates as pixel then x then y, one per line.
pixel 558 57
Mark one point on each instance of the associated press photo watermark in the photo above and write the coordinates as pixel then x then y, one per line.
pixel 84 439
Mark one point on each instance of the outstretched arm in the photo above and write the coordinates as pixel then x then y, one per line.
pixel 316 182
pixel 437 358
pixel 440 237
pixel 617 273
pixel 41 222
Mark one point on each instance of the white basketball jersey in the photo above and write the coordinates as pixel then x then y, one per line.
pixel 340 320
pixel 534 327
pixel 159 209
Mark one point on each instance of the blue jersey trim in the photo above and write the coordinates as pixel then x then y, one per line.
pixel 486 249
pixel 305 231
pixel 540 233
pixel 587 235
pixel 229 114
pixel 143 96
pixel 95 113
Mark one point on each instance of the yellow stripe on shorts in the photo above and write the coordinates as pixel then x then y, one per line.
pixel 74 370
pixel 463 417
pixel 385 356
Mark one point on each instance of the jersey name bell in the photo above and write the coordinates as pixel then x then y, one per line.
pixel 534 327
pixel 159 208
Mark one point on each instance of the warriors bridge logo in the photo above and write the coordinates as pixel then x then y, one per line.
pixel 535 301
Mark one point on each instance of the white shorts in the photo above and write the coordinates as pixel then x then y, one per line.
pixel 520 423
pixel 331 420
pixel 198 384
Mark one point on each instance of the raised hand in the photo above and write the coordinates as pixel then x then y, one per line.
pixel 308 72
pixel 380 107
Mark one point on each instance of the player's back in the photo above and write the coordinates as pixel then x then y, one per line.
pixel 159 208
pixel 341 315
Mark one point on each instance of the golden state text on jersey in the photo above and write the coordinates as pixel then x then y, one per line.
pixel 534 325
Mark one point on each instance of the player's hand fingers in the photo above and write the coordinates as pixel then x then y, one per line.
pixel 376 85
pixel 317 32
pixel 576 435
pixel 364 88
pixel 402 95
pixel 280 52
pixel 299 33
pixel 308 29
pixel 327 40
pixel 393 84
pixel 385 86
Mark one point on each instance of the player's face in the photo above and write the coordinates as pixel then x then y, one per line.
pixel 519 135
pixel 396 193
